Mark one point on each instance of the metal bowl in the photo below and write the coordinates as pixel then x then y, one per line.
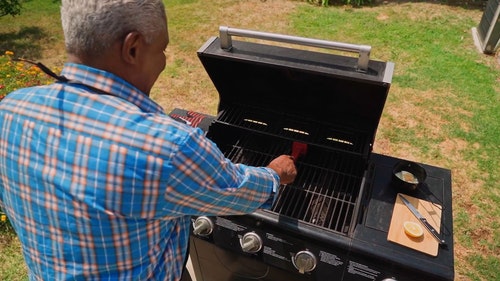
pixel 407 176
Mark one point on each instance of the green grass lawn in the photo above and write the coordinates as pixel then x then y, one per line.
pixel 443 107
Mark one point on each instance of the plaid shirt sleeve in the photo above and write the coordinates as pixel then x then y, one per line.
pixel 184 173
pixel 204 181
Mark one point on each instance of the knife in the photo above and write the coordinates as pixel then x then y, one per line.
pixel 422 219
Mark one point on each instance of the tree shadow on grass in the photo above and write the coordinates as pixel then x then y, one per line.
pixel 27 42
pixel 466 4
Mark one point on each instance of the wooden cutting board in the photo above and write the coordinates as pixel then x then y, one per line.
pixel 432 212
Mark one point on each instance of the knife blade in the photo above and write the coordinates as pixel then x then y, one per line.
pixel 422 219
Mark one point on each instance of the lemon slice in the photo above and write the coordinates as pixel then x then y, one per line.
pixel 413 229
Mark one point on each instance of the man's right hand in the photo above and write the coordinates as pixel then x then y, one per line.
pixel 285 168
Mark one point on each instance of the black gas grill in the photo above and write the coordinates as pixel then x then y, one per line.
pixel 271 98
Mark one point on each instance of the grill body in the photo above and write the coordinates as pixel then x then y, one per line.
pixel 366 255
pixel 332 222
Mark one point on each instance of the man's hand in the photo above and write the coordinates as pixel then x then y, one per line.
pixel 285 167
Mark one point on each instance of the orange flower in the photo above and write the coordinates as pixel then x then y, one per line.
pixel 9 53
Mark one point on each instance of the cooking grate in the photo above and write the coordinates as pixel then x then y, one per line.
pixel 321 196
pixel 327 185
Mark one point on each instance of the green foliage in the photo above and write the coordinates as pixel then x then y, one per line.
pixel 355 3
pixel 358 3
pixel 4 222
pixel 323 3
pixel 15 75
pixel 28 34
pixel 10 7
pixel 13 7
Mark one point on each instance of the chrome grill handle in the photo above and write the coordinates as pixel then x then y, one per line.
pixel 225 34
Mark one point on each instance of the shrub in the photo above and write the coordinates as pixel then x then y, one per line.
pixel 10 7
pixel 355 3
pixel 15 75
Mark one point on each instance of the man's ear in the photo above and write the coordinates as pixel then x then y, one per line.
pixel 130 47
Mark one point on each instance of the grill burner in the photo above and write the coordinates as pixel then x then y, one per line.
pixel 295 127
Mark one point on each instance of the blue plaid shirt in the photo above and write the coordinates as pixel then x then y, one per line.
pixel 102 187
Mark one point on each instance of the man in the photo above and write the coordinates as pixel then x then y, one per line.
pixel 98 182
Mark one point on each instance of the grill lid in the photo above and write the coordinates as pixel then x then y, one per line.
pixel 341 92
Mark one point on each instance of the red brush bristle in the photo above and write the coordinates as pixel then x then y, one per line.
pixel 299 149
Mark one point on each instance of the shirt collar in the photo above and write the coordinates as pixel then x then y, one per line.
pixel 111 84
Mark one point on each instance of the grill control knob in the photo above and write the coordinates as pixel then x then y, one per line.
pixel 304 261
pixel 202 226
pixel 251 242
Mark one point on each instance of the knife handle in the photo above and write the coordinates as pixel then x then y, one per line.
pixel 432 230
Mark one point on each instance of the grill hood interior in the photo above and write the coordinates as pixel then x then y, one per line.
pixel 323 87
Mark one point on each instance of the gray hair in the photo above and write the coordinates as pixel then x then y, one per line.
pixel 92 26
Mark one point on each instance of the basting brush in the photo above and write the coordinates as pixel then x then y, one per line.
pixel 299 149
